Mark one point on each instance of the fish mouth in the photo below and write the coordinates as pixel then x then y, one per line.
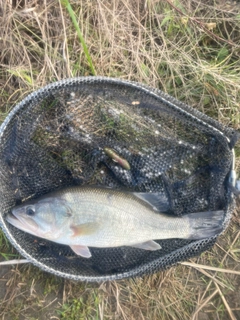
pixel 22 225
pixel 15 221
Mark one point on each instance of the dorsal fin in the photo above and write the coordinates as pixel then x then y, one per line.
pixel 156 200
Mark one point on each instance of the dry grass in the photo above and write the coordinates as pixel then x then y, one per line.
pixel 187 48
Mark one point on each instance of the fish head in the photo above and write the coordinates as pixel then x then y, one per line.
pixel 43 218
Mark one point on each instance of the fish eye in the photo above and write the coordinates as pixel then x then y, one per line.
pixel 29 211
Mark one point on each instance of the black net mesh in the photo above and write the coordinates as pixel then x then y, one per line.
pixel 56 137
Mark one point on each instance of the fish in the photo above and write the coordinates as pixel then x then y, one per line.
pixel 89 216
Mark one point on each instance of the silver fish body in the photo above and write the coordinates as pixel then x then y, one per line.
pixel 83 217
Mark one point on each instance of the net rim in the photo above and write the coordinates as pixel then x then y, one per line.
pixel 40 94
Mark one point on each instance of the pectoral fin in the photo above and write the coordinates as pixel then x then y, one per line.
pixel 149 245
pixel 81 251
pixel 84 229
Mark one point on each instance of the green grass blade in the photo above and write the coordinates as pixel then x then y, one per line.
pixel 68 6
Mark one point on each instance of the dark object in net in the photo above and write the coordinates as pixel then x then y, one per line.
pixel 56 137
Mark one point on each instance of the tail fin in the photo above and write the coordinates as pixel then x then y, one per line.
pixel 205 224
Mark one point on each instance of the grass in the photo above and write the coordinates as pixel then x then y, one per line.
pixel 189 49
pixel 68 6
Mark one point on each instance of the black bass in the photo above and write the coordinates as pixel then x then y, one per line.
pixel 83 217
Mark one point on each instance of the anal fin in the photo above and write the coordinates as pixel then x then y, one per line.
pixel 148 245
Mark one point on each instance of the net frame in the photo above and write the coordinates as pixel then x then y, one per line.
pixel 187 250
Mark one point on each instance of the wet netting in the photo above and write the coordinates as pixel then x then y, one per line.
pixel 57 137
